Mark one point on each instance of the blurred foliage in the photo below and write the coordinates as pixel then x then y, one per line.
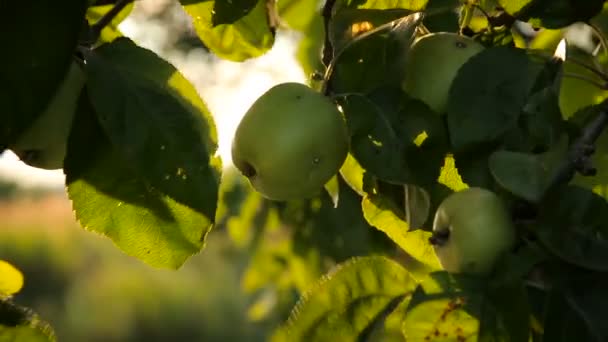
pixel 259 259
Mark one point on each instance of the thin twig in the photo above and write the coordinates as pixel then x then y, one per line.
pixel 583 147
pixel 600 36
pixel 108 17
pixel 328 51
pixel 586 79
pixel 576 61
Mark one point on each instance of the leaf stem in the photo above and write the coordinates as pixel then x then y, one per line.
pixel 108 17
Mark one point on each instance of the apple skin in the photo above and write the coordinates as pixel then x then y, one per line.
pixel 432 64
pixel 472 230
pixel 290 142
pixel 43 144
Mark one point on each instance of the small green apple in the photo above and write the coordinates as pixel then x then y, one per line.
pixel 431 66
pixel 43 144
pixel 290 142
pixel 471 230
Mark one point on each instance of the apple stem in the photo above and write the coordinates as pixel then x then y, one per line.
pixel 248 170
pixel 439 237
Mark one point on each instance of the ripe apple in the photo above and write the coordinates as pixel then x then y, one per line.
pixel 290 142
pixel 471 230
pixel 432 64
pixel 43 144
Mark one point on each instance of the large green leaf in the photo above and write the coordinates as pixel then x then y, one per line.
pixel 111 197
pixel 156 119
pixel 488 95
pixel 561 323
pixel 18 324
pixel 552 13
pixel 586 295
pixel 396 138
pixel 573 224
pixel 380 213
pixel 249 36
pixel 348 302
pixel 528 175
pixel 38 39
pixel 373 59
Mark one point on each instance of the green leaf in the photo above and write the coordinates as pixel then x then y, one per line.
pixel 561 323
pixel 348 301
pixel 19 324
pixel 528 175
pixel 488 95
pixel 248 37
pixel 111 31
pixel 298 14
pixel 374 59
pixel 38 39
pixel 227 12
pixel 396 138
pixel 552 13
pixel 573 224
pixel 110 197
pixel 380 213
pixel 588 297
pixel 155 117
pixel 340 232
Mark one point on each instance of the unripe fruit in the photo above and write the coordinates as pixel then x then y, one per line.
pixel 431 66
pixel 290 142
pixel 43 144
pixel 471 231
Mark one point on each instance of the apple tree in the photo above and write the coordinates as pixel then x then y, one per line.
pixel 442 176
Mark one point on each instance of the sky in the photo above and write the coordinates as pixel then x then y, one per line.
pixel 228 88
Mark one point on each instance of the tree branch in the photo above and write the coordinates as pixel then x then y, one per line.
pixel 328 51
pixel 582 149
pixel 108 17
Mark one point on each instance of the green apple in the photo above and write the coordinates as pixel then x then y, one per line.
pixel 471 231
pixel 43 144
pixel 290 142
pixel 431 66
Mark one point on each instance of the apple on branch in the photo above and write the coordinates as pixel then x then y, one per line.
pixel 290 142
pixel 472 229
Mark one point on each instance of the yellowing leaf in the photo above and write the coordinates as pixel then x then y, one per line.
pixel 449 175
pixel 11 279
pixel 378 212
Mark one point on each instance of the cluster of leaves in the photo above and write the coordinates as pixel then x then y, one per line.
pixel 142 140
